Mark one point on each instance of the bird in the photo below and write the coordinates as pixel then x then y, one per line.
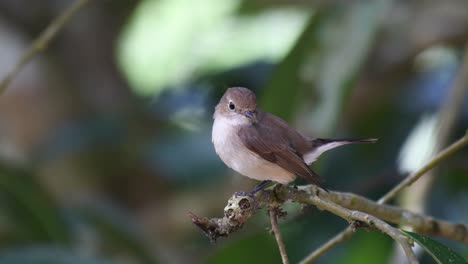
pixel 262 146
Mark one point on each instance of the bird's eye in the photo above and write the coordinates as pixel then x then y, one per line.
pixel 232 106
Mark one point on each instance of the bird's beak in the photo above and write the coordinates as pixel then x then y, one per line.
pixel 250 114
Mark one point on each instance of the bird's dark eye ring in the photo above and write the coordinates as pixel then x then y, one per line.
pixel 231 106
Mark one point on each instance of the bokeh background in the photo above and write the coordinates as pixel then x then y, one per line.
pixel 105 138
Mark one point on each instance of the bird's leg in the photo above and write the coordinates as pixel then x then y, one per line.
pixel 256 189
pixel 260 187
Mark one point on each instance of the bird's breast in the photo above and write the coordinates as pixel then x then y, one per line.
pixel 227 144
pixel 235 155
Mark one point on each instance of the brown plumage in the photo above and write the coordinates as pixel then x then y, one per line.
pixel 271 140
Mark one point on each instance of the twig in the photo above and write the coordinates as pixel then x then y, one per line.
pixel 42 41
pixel 273 211
pixel 347 233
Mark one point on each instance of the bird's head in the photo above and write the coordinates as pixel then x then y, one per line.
pixel 238 105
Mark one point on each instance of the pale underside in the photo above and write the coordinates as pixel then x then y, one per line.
pixel 236 156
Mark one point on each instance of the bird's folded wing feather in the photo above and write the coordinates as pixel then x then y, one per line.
pixel 274 147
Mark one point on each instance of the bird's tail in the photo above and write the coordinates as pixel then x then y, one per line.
pixel 317 142
pixel 320 145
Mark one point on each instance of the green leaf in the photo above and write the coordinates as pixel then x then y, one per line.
pixel 441 253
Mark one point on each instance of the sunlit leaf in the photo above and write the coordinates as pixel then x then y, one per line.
pixel 168 42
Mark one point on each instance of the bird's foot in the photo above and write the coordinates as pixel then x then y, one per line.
pixel 254 191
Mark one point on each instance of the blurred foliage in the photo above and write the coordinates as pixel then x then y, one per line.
pixel 49 255
pixel 325 60
pixel 369 247
pixel 247 250
pixel 29 213
pixel 162 33
pixel 105 138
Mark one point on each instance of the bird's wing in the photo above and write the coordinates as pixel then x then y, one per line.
pixel 267 142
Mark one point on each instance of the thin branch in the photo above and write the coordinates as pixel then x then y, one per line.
pixel 42 41
pixel 273 211
pixel 340 237
pixel 347 232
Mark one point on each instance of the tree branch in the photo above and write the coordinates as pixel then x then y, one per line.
pixel 368 219
pixel 274 213
pixel 347 232
pixel 240 208
pixel 421 223
pixel 42 41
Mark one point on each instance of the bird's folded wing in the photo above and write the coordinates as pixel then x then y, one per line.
pixel 276 149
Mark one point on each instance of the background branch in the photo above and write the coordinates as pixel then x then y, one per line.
pixel 42 41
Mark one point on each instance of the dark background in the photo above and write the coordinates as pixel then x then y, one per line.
pixel 105 138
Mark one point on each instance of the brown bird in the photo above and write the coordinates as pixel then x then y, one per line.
pixel 262 146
